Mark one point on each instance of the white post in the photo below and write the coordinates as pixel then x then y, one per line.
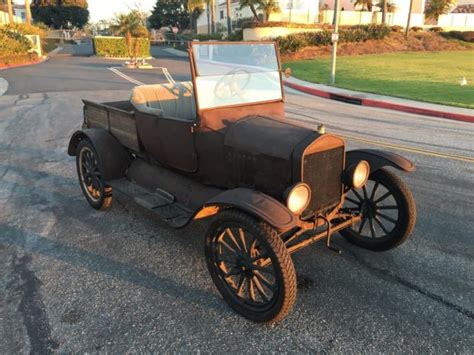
pixel 335 38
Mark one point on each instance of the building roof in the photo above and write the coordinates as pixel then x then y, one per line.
pixel 464 9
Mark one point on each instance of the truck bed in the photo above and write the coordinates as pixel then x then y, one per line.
pixel 116 117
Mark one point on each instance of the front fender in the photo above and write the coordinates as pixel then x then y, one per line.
pixel 378 159
pixel 112 157
pixel 257 204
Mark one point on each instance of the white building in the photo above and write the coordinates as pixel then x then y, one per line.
pixel 299 11
pixel 20 12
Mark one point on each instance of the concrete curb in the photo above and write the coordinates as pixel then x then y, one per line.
pixel 3 86
pixel 380 103
pixel 41 60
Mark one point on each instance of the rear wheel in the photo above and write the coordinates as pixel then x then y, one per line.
pixel 250 267
pixel 96 191
pixel 388 212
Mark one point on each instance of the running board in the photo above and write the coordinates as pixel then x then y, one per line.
pixel 161 202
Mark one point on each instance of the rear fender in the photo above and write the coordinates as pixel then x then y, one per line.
pixel 253 202
pixel 378 159
pixel 113 158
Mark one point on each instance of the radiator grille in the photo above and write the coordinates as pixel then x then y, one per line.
pixel 322 171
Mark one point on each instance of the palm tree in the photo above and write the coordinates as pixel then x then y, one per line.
pixel 194 8
pixel 436 8
pixel 133 23
pixel 387 7
pixel 10 11
pixel 365 4
pixel 268 7
pixel 28 12
pixel 251 4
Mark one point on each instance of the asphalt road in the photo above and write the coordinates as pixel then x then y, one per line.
pixel 73 279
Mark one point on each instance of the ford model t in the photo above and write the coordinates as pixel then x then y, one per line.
pixel 221 147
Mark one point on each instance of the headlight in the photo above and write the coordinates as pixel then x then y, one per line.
pixel 360 174
pixel 297 198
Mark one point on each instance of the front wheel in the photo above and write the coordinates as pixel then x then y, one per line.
pixel 250 267
pixel 388 212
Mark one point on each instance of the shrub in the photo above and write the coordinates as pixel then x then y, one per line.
pixel 237 35
pixel 117 47
pixel 397 28
pixel 18 59
pixel 208 37
pixel 466 36
pixel 436 29
pixel 254 24
pixel 26 29
pixel 416 29
pixel 294 42
pixel 13 43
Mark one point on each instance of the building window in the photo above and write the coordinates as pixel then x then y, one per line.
pixel 221 14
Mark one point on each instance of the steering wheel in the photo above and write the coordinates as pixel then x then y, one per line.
pixel 232 84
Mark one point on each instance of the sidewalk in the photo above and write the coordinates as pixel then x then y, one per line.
pixel 386 102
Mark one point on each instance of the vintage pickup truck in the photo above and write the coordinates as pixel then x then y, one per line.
pixel 221 147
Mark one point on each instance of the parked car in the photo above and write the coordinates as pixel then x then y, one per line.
pixel 221 147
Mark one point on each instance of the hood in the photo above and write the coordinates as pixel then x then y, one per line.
pixel 259 135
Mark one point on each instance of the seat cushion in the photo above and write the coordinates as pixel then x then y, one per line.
pixel 169 100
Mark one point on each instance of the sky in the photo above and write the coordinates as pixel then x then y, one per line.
pixel 105 9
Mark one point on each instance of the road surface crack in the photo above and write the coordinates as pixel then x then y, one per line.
pixel 32 308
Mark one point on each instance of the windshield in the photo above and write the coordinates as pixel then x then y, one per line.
pixel 232 74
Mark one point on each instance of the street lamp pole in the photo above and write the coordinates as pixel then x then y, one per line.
pixel 335 38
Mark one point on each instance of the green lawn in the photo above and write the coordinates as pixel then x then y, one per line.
pixel 425 76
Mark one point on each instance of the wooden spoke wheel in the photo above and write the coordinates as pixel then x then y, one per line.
pixel 250 267
pixel 388 212
pixel 96 191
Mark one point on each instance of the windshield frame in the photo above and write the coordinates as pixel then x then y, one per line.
pixel 194 71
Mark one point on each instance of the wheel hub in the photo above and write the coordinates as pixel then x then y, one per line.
pixel 369 208
pixel 246 266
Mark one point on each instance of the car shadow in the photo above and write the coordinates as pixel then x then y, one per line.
pixel 37 244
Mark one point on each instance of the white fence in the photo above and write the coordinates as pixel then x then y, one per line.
pixel 463 22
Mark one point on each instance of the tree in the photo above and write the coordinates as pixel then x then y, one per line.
pixel 410 9
pixel 169 13
pixel 61 13
pixel 195 8
pixel 28 12
pixel 436 8
pixel 387 7
pixel 365 4
pixel 251 4
pixel 391 7
pixel 268 7
pixel 10 11
pixel 134 23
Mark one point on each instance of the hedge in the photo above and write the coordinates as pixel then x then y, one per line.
pixel 18 59
pixel 13 43
pixel 294 42
pixel 117 47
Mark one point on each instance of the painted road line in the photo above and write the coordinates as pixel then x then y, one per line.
pixel 126 77
pixel 411 149
pixel 3 86
pixel 134 81
pixel 404 148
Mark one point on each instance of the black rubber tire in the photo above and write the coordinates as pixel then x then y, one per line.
pixel 406 215
pixel 285 298
pixel 105 192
